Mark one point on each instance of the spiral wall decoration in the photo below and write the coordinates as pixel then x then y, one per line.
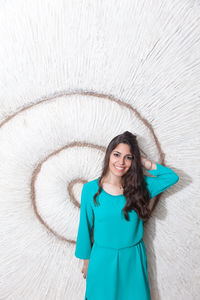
pixel 73 75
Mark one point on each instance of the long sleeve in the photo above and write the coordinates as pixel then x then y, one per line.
pixel 165 178
pixel 83 242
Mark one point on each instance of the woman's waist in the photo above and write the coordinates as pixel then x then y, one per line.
pixel 112 245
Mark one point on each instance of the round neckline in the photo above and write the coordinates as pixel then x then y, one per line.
pixel 111 194
pixel 108 193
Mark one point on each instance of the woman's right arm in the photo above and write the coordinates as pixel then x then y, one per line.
pixel 85 229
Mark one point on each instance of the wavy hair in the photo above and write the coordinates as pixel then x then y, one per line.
pixel 133 182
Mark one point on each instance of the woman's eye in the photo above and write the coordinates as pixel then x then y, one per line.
pixel 129 157
pixel 116 154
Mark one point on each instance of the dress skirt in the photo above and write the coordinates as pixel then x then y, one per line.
pixel 117 274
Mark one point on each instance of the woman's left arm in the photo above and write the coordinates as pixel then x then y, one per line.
pixel 165 177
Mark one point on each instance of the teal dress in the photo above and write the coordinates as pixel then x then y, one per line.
pixel 117 268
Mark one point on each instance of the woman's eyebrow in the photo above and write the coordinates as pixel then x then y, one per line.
pixel 120 152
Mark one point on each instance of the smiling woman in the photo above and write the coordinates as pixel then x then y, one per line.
pixel 119 164
pixel 116 264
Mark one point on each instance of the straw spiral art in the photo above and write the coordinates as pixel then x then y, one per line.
pixel 74 74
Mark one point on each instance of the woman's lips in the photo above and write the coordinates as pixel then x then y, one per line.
pixel 119 168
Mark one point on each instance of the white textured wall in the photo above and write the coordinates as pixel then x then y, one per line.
pixel 82 71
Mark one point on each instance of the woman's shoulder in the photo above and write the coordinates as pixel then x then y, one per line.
pixel 91 184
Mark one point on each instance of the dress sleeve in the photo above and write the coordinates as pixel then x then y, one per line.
pixel 165 177
pixel 83 242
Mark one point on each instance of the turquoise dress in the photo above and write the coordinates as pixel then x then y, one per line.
pixel 117 268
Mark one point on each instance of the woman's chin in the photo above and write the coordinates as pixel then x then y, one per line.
pixel 118 172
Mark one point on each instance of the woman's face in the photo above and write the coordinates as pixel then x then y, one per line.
pixel 120 159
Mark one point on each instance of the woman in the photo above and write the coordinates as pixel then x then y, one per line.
pixel 114 207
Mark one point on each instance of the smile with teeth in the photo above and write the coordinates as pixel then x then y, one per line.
pixel 119 168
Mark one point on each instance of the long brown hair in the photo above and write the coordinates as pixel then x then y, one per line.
pixel 133 182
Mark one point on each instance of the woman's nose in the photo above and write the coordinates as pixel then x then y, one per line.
pixel 121 160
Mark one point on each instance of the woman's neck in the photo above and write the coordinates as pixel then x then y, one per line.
pixel 113 180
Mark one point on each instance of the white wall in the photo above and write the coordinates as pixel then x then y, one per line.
pixel 56 59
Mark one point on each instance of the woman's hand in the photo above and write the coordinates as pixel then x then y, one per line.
pixel 85 267
pixel 148 164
